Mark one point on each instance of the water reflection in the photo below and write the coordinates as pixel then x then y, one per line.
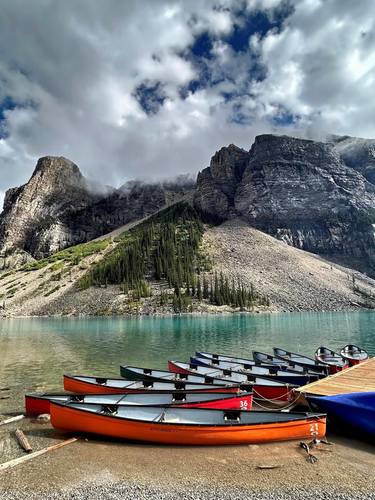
pixel 35 352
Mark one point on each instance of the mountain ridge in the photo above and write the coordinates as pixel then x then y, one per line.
pixel 300 191
pixel 309 194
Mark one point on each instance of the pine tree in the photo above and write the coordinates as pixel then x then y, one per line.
pixel 206 293
pixel 199 289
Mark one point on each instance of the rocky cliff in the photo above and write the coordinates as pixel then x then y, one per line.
pixel 58 207
pixel 307 193
pixel 217 185
pixel 356 153
pixel 317 196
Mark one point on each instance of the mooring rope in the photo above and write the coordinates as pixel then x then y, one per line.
pixel 288 405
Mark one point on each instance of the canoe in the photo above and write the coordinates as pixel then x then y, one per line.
pixel 186 426
pixel 262 387
pixel 222 357
pixel 246 364
pixel 99 385
pixel 273 372
pixel 301 360
pixel 354 411
pixel 284 364
pixel 334 360
pixel 354 354
pixel 38 403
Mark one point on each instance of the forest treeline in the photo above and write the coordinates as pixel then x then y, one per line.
pixel 168 248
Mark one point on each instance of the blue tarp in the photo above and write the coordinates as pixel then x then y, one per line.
pixel 356 410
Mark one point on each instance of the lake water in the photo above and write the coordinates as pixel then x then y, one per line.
pixel 35 352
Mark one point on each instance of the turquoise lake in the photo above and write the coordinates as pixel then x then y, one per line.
pixel 34 353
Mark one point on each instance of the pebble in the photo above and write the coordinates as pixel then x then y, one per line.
pixel 129 491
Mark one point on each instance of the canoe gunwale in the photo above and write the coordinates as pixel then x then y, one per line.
pixel 204 387
pixel 305 416
pixel 337 359
pixel 224 396
pixel 362 354
pixel 277 374
pixel 317 365
pixel 252 379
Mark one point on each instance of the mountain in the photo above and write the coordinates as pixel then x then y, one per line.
pixel 58 207
pixel 31 222
pixel 304 192
pixel 289 224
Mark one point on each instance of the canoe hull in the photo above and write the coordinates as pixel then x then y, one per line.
pixel 271 392
pixel 353 354
pixel 37 405
pixel 72 384
pixel 296 379
pixel 335 361
pixel 299 360
pixel 67 418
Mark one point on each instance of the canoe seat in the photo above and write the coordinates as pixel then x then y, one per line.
pixel 77 398
pixel 232 416
pixel 208 380
pixel 109 409
pixel 101 381
pixel 246 387
pixel 178 396
pixel 227 372
pixel 147 383
pixel 215 361
pixel 180 386
pixel 147 371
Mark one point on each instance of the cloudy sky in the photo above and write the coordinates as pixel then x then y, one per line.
pixel 151 88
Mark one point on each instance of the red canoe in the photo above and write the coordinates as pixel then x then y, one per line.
pixel 262 387
pixel 99 385
pixel 187 426
pixel 354 354
pixel 334 360
pixel 38 403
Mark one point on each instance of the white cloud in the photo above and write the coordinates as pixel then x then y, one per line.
pixel 74 68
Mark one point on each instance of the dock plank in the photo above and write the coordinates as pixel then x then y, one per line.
pixel 359 378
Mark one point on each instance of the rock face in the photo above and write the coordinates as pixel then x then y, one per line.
pixel 59 207
pixel 300 191
pixel 32 212
pixel 357 153
pixel 218 183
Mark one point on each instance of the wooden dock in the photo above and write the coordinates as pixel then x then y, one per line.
pixel 359 378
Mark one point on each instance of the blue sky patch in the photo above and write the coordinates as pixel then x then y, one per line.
pixel 202 46
pixel 284 118
pixel 151 96
pixel 246 25
pixel 259 23
pixel 5 105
